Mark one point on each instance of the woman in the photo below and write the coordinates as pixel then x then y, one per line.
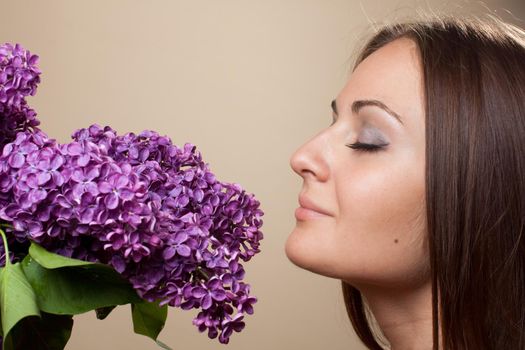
pixel 414 197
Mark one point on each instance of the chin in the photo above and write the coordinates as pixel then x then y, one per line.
pixel 292 250
pixel 305 255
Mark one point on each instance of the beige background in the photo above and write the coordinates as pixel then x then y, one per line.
pixel 247 82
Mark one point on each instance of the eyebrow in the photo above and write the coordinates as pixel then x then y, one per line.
pixel 358 104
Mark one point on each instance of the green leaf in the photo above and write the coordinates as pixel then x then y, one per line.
pixel 77 289
pixel 148 318
pixel 50 332
pixel 17 298
pixel 103 312
pixel 53 261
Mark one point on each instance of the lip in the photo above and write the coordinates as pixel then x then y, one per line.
pixel 309 209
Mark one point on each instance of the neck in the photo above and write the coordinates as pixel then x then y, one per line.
pixel 404 316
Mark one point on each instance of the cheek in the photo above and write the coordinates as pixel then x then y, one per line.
pixel 380 230
pixel 379 203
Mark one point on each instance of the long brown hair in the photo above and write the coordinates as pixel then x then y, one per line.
pixel 474 81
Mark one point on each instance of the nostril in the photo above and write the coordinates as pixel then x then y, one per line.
pixel 307 172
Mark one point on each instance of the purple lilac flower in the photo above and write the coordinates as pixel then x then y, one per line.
pixel 152 210
pixel 19 77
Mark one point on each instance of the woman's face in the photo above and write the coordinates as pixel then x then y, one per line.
pixel 374 230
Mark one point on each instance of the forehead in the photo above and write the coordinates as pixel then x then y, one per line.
pixel 391 74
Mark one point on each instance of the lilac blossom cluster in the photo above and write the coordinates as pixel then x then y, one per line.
pixel 152 210
pixel 19 77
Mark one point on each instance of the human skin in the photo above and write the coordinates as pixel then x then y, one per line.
pixel 374 235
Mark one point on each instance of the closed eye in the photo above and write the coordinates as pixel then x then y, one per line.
pixel 366 147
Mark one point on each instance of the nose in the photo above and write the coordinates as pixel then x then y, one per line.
pixel 310 160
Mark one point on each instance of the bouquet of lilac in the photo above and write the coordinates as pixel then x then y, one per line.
pixel 110 219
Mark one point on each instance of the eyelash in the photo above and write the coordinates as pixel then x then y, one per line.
pixel 365 147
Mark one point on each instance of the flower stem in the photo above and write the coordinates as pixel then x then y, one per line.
pixel 202 273
pixel 6 248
